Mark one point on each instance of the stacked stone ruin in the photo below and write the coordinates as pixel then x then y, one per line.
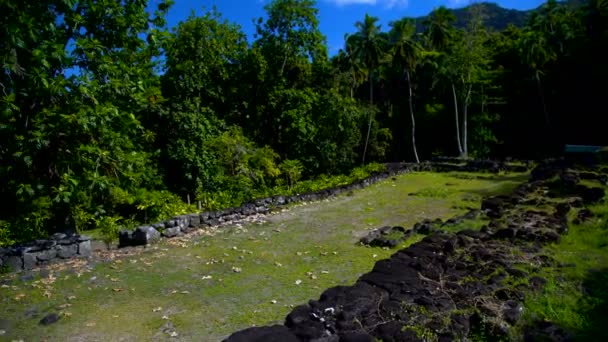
pixel 62 246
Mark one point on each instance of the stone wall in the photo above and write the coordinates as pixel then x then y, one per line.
pixel 61 246
pixel 180 225
pixel 41 252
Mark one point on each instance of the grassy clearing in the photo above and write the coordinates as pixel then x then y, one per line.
pixel 576 296
pixel 208 286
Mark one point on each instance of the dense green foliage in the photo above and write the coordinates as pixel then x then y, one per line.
pixel 107 116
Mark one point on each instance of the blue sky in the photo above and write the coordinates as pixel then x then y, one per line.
pixel 337 17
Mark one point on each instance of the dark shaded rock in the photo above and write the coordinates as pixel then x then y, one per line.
pixel 84 248
pixel 145 235
pixel 29 261
pixel 590 195
pixel 393 332
pixel 171 232
pixel 194 220
pixel 562 209
pixel 45 255
pixel 537 283
pixel 516 272
pixel 513 311
pixel 584 215
pixel 59 236
pixel 300 322
pixel 14 262
pixel 49 319
pixel 386 236
pixel 495 206
pixel 356 337
pixel 67 251
pixel 546 331
pixel 125 238
pixel 506 233
pixel 158 226
pixel 275 333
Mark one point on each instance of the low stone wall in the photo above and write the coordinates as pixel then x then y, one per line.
pixel 180 225
pixel 42 252
pixel 61 246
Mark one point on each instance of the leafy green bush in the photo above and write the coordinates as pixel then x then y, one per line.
pixel 5 234
pixel 109 227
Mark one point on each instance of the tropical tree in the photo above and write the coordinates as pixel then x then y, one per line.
pixel 439 30
pixel 404 52
pixel 468 62
pixel 368 47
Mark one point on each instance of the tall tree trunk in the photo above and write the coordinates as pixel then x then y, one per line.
pixel 409 86
pixel 460 152
pixel 541 94
pixel 284 62
pixel 465 114
pixel 369 125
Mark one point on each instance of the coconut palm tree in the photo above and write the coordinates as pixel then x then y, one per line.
pixel 404 53
pixel 368 48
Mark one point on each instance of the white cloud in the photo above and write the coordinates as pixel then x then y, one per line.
pixel 385 3
pixel 458 3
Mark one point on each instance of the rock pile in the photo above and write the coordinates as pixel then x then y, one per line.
pixel 41 252
pixel 448 286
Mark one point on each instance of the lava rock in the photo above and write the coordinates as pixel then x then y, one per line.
pixel 513 311
pixel 84 248
pixel 49 319
pixel 145 235
pixel 125 238
pixel 67 251
pixel 171 232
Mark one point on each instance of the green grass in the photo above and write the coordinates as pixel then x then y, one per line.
pixel 576 295
pixel 205 287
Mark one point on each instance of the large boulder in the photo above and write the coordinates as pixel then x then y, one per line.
pixel 125 238
pixel 145 235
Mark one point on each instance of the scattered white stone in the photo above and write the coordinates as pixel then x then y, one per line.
pixel 173 334
pixel 207 277
pixel 298 282
pixel 2 332
pixel 157 309
pixel 236 269
pixel 273 301
pixel 375 256
pixel 324 272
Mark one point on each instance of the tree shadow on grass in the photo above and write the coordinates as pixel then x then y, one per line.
pixel 596 290
pixel 594 310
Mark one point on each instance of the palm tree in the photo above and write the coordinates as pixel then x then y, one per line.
pixel 439 29
pixel 351 65
pixel 405 55
pixel 536 52
pixel 367 47
pixel 439 34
